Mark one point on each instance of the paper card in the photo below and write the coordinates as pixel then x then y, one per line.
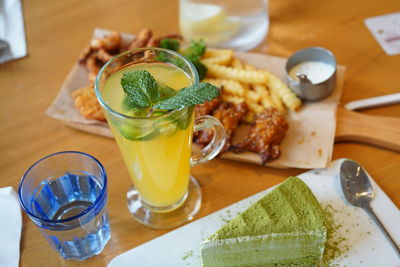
pixel 386 30
pixel 12 30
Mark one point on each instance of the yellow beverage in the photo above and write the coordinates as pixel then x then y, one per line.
pixel 156 150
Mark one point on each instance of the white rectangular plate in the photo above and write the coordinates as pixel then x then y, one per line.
pixel 367 245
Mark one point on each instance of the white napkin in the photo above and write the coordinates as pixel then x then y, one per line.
pixel 12 30
pixel 10 227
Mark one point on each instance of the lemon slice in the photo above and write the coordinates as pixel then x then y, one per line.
pixel 208 22
pixel 201 15
pixel 168 128
pixel 137 131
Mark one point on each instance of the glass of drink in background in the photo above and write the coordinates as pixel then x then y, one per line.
pixel 236 24
pixel 65 195
pixel 156 147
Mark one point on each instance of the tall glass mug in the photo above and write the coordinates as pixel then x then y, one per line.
pixel 236 24
pixel 156 148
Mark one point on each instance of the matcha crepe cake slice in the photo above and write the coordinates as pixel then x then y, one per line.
pixel 284 228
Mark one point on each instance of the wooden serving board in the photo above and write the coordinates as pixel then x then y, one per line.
pixel 370 129
pixel 308 144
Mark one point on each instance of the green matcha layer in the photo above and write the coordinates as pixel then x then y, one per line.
pixel 284 228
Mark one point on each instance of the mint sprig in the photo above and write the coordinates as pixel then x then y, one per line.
pixel 141 88
pixel 194 52
pixel 169 43
pixel 145 94
pixel 189 96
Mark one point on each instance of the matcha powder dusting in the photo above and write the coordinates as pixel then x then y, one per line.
pixel 336 243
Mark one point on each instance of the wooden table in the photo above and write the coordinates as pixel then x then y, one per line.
pixel 56 33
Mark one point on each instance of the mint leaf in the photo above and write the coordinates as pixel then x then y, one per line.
pixel 189 96
pixel 141 88
pixel 194 52
pixel 195 49
pixel 169 43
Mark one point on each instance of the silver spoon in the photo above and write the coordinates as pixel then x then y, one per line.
pixel 303 78
pixel 358 191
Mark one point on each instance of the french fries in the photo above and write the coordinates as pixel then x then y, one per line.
pixel 240 81
pixel 280 88
pixel 241 75
pixel 230 86
pixel 237 63
pixel 221 56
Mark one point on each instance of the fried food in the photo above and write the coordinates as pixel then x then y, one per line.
pixel 252 96
pixel 255 107
pixel 99 52
pixel 237 63
pixel 241 75
pixel 232 98
pixel 111 42
pixel 230 86
pixel 93 65
pixel 268 98
pixel 277 86
pixel 249 95
pixel 249 118
pixel 96 55
pixel 229 114
pixel 207 107
pixel 143 37
pixel 265 135
pixel 103 55
pixel 260 88
pixel 218 56
pixel 108 45
pixel 86 102
pixel 85 54
pixel 201 137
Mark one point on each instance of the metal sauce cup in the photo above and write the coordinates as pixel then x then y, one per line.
pixel 303 87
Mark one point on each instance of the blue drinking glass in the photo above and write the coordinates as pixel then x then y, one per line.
pixel 65 195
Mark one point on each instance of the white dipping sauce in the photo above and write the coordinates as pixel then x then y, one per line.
pixel 316 71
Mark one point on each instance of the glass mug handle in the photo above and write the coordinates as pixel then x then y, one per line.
pixel 217 142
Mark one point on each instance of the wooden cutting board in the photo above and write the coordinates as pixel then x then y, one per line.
pixel 370 129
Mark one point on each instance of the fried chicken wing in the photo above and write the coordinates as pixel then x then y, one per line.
pixel 230 115
pixel 265 135
pixel 85 54
pixel 207 107
pixel 93 65
pixel 108 46
pixel 104 56
pixel 111 42
pixel 86 102
pixel 142 39
pixel 203 137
